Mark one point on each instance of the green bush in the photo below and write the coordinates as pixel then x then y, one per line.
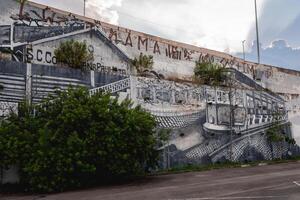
pixel 142 63
pixel 209 73
pixel 74 54
pixel 275 132
pixel 76 140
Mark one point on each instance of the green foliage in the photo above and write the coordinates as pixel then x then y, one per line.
pixel 197 168
pixel 275 133
pixel 73 54
pixel 163 136
pixel 209 73
pixel 76 140
pixel 223 165
pixel 291 141
pixel 142 63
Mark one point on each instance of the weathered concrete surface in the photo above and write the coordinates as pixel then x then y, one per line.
pixel 280 181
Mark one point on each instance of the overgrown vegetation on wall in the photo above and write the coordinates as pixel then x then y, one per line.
pixel 76 140
pixel 209 73
pixel 73 54
pixel 276 132
pixel 142 63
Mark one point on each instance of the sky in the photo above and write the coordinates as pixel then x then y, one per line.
pixel 215 24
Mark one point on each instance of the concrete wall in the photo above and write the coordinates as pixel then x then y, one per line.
pixel 38 81
pixel 171 58
pixel 179 106
pixel 104 57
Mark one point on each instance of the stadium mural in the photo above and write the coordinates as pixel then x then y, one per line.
pixel 206 123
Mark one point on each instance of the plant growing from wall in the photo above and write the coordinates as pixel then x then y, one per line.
pixel 209 73
pixel 142 63
pixel 275 133
pixel 73 54
pixel 290 141
pixel 76 140
pixel 215 75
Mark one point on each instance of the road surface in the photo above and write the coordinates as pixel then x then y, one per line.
pixel 281 181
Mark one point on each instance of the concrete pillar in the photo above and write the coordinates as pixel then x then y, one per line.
pixel 133 89
pixel 153 90
pixel 186 97
pixel 10 175
pixel 93 79
pixel 28 90
pixel 173 100
pixel 189 97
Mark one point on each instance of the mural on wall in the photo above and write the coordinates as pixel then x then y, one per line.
pixel 49 20
pixel 199 120
pixel 43 22
pixel 207 124
pixel 44 16
pixel 44 54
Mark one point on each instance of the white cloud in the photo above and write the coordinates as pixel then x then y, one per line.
pixel 215 24
pixel 279 19
pixel 98 9
pixel 278 53
pixel 101 10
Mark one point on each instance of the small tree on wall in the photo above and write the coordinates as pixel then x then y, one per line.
pixel 209 73
pixel 73 54
pixel 275 133
pixel 142 63
pixel 215 75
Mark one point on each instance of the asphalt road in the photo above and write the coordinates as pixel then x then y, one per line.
pixel 281 181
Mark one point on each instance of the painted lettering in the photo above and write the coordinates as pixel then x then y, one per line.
pixel 39 54
pixel 48 57
pixel 172 52
pixel 144 42
pixel 128 40
pixel 156 48
pixel 29 55
pixel 187 54
pixel 113 35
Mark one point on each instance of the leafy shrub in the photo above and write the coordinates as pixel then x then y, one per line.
pixel 142 63
pixel 275 132
pixel 75 140
pixel 209 73
pixel 73 54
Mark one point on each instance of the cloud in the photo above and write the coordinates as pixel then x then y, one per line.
pixel 97 9
pixel 102 10
pixel 67 5
pixel 292 32
pixel 215 24
pixel 278 53
pixel 276 20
